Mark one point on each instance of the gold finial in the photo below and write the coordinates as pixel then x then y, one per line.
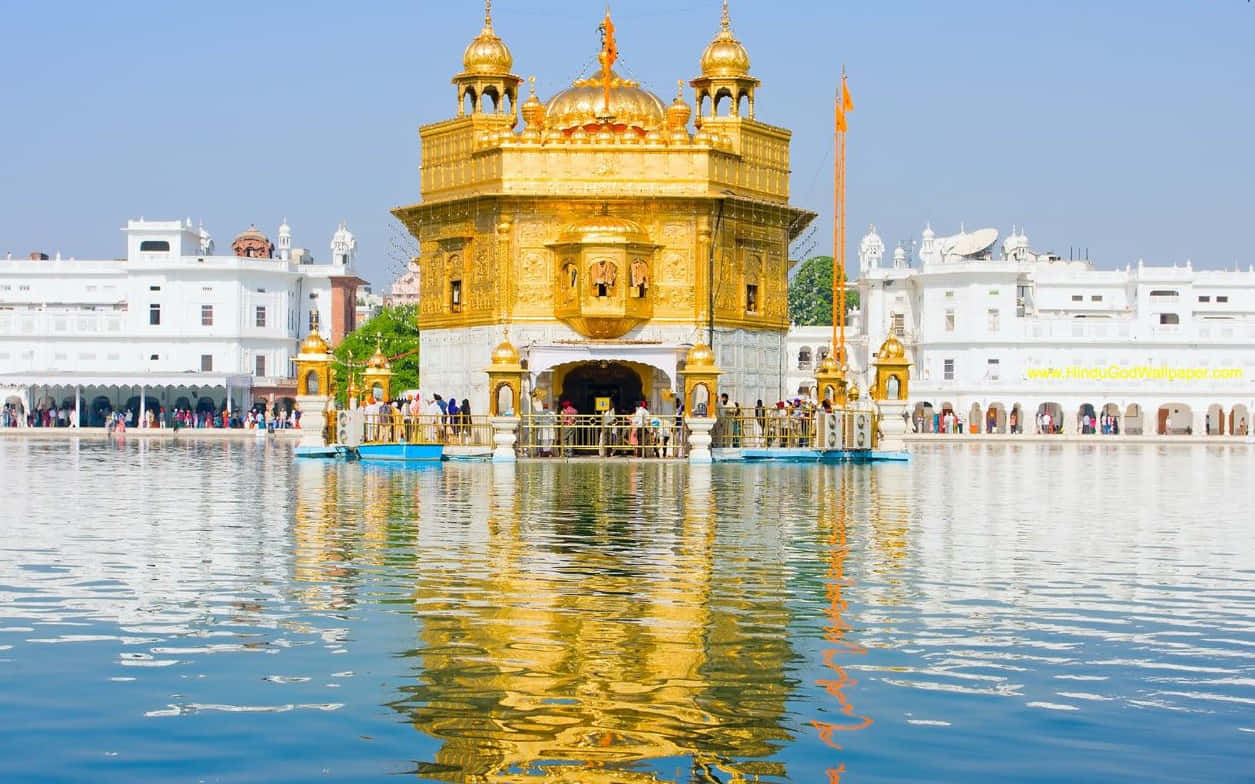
pixel 487 14
pixel 531 81
pixel 609 54
pixel 727 20
pixel 679 90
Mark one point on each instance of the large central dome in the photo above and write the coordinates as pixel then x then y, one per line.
pixel 583 105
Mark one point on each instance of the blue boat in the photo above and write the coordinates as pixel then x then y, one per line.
pixel 400 452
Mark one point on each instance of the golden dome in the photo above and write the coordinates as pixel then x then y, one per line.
pixel 377 360
pixel 829 366
pixel 533 110
pixel 725 56
pixel 852 394
pixel 583 104
pixel 678 114
pixel 314 344
pixel 891 349
pixel 699 357
pixel 604 229
pixel 505 354
pixel 487 54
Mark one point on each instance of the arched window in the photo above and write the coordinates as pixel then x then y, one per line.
pixel 893 388
pixel 311 383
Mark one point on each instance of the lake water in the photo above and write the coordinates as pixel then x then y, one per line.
pixel 220 612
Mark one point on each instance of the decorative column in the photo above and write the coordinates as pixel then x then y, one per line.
pixel 313 388
pixel 890 389
pixel 377 377
pixel 701 389
pixel 505 387
pixel 830 382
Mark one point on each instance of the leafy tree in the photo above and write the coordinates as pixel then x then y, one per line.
pixel 810 293
pixel 395 329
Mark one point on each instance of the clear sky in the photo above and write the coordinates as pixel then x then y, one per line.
pixel 1120 126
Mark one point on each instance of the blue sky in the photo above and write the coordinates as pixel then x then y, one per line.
pixel 1123 127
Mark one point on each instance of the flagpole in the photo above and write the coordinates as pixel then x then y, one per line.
pixel 836 220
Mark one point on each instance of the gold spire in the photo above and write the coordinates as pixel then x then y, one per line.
pixel 488 13
pixel 727 19
pixel 609 54
pixel 725 56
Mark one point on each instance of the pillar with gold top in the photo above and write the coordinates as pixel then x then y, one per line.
pixel 830 382
pixel 313 379
pixel 505 389
pixel 891 389
pixel 378 374
pixel 701 389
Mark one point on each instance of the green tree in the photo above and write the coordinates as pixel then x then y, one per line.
pixel 395 329
pixel 810 294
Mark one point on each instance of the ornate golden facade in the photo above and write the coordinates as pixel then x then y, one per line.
pixel 605 211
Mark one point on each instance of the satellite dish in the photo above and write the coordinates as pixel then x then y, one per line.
pixel 975 243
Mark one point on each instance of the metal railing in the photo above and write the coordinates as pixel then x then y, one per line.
pixel 456 430
pixel 787 429
pixel 556 435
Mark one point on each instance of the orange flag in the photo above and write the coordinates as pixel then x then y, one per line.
pixel 847 103
pixel 841 124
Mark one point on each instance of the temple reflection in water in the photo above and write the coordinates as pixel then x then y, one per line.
pixel 598 622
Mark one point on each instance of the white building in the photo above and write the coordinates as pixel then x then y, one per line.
pixel 1000 338
pixel 172 318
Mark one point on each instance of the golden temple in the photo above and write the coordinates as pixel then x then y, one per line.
pixel 603 230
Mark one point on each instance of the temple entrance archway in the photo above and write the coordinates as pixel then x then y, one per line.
pixel 583 384
pixel 1215 424
pixel 1239 420
pixel 1176 419
pixel 1133 420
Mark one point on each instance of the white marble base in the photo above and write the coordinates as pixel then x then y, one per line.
pixel 699 439
pixel 504 436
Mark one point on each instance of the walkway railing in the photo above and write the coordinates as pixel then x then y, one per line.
pixel 455 430
pixel 545 435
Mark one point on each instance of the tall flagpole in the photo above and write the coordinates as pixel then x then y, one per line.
pixel 837 189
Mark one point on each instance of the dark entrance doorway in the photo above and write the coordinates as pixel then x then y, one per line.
pixel 586 383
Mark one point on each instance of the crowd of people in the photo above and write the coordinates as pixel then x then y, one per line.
pixel 120 419
pixel 418 417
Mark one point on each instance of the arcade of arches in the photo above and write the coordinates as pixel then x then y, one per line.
pixel 1089 418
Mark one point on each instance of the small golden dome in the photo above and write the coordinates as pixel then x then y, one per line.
pixel 699 357
pixel 377 360
pixel 678 114
pixel 829 366
pixel 852 393
pixel 725 56
pixel 487 54
pixel 314 344
pixel 533 110
pixel 604 229
pixel 891 349
pixel 583 105
pixel 505 354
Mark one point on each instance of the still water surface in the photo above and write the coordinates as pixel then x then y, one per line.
pixel 219 612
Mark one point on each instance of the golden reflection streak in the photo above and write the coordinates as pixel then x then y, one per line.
pixel 834 516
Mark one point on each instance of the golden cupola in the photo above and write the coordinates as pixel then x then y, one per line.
pixel 725 73
pixel 486 78
pixel 606 104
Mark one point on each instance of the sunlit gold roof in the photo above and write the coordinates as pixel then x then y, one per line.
pixel 725 56
pixel 829 366
pixel 891 349
pixel 604 229
pixel 377 360
pixel 505 354
pixel 487 54
pixel 584 103
pixel 314 344
pixel 699 356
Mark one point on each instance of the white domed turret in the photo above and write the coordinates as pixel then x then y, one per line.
pixel 206 242
pixel 871 249
pixel 285 240
pixel 928 246
pixel 343 246
pixel 899 257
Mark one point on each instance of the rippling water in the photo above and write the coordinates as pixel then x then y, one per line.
pixel 219 612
